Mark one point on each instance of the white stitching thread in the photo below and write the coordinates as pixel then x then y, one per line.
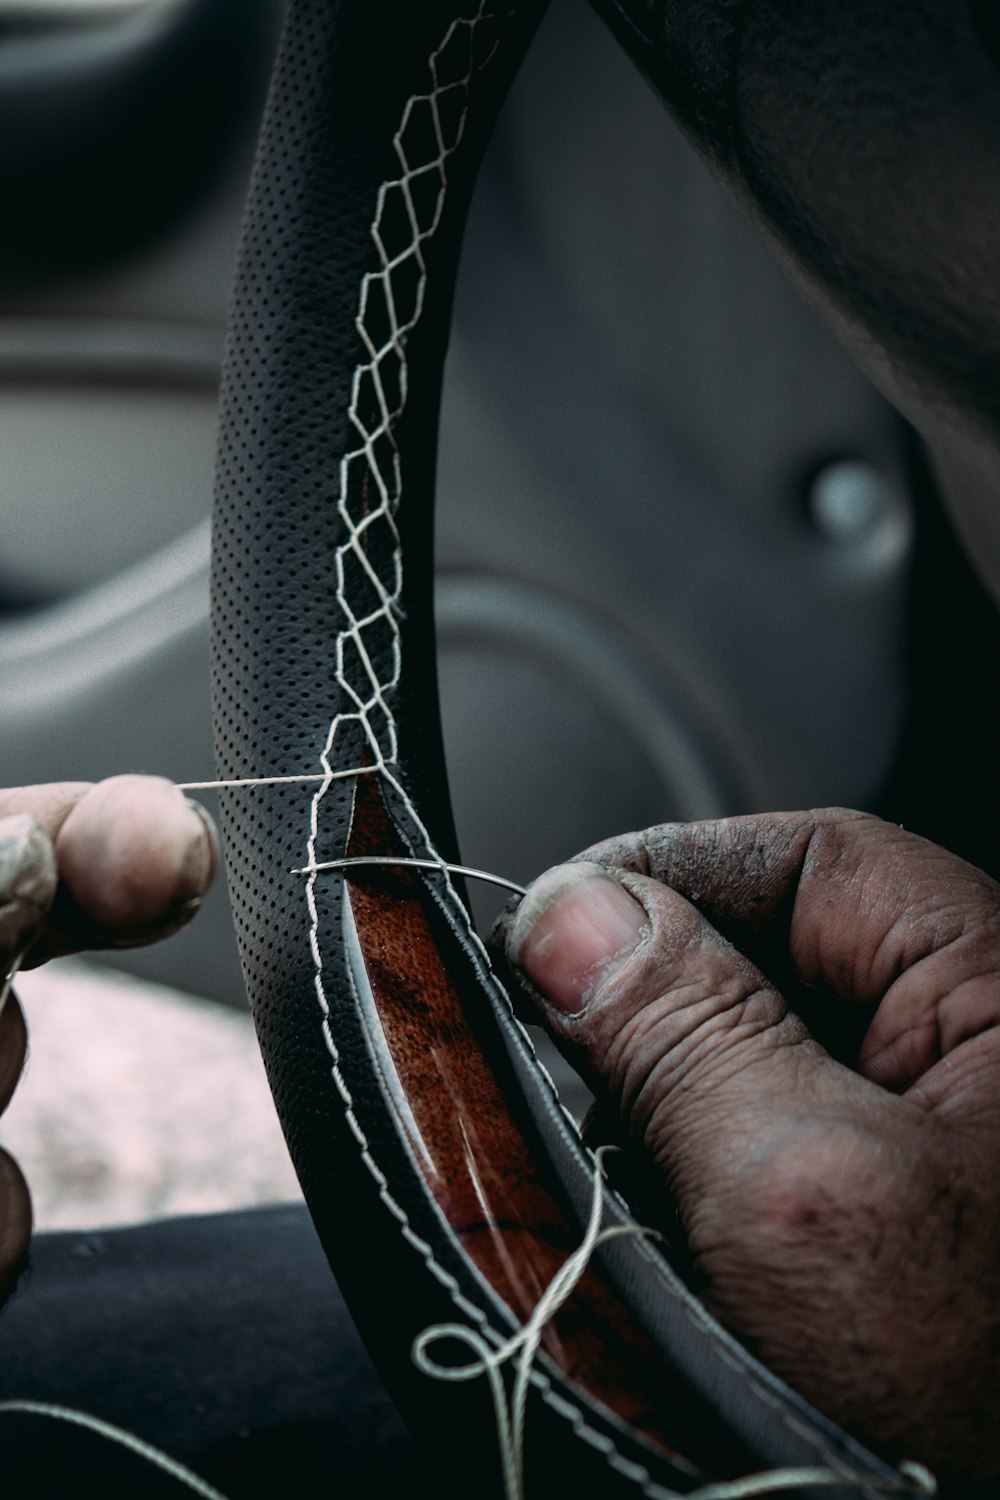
pixel 360 469
pixel 418 194
pixel 371 531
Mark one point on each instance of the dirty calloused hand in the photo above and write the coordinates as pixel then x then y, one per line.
pixel 114 864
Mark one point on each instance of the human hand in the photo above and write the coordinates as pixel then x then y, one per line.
pixel 83 866
pixel 841 1215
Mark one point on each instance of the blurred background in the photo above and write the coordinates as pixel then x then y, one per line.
pixel 690 563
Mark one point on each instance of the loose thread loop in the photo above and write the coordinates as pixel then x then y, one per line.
pixel 911 1478
pixel 510 1412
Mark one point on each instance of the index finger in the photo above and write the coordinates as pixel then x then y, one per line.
pixel 133 857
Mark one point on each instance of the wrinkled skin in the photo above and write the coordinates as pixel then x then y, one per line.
pixel 840 1197
pixel 836 1181
pixel 112 865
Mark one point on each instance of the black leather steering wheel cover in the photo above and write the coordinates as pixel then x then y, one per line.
pixel 339 93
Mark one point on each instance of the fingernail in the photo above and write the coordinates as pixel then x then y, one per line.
pixel 573 931
pixel 21 838
pixel 208 849
pixel 26 857
pixel 27 877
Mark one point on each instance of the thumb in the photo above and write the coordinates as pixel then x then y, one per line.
pixel 700 1054
pixel 840 1230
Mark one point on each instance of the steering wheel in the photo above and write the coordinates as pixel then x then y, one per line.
pixel 447 1184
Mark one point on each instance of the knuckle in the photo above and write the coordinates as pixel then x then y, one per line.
pixel 692 1038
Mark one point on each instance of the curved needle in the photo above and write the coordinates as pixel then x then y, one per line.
pixel 416 864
